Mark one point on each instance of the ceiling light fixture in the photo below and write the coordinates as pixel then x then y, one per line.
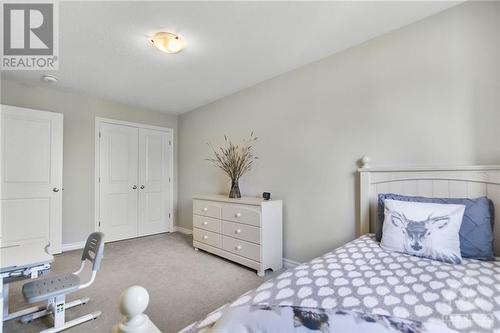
pixel 48 78
pixel 168 42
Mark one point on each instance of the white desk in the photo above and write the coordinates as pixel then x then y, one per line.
pixel 21 262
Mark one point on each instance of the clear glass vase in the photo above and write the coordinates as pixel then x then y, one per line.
pixel 235 190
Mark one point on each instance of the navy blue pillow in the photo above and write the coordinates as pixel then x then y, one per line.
pixel 476 231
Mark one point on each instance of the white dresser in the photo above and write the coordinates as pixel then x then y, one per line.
pixel 247 230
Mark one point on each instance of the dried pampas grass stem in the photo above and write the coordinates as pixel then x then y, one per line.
pixel 235 160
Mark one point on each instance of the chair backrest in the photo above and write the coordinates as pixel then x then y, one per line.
pixel 94 250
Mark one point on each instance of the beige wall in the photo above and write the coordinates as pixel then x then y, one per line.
pixel 427 94
pixel 79 122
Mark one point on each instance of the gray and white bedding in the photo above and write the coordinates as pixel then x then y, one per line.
pixel 362 277
pixel 297 319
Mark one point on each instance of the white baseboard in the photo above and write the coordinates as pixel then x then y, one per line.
pixel 287 263
pixel 183 230
pixel 73 246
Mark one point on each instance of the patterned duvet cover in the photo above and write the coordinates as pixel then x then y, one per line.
pixel 361 276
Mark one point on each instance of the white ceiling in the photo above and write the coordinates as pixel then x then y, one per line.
pixel 105 50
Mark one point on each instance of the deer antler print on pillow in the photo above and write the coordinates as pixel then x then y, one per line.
pixel 425 230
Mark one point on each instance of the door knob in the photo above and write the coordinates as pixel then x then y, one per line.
pixel 142 187
pixel 134 187
pixel 55 189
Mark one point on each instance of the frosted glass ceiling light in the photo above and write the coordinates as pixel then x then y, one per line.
pixel 168 42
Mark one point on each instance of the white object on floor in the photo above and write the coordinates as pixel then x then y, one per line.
pixel 134 179
pixel 27 260
pixel 54 289
pixel 31 178
pixel 246 230
pixel 133 302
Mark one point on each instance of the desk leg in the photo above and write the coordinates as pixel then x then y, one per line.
pixel 5 298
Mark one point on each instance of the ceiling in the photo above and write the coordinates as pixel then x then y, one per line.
pixel 105 49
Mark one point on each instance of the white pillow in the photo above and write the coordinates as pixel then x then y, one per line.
pixel 427 230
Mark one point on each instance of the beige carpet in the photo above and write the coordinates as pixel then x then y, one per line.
pixel 184 285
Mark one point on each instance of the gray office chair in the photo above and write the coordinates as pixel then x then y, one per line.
pixel 54 289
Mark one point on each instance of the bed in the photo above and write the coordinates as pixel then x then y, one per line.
pixel 361 276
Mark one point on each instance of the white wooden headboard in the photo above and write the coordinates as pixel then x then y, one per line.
pixel 445 182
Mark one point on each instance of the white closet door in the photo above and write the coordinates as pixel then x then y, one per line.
pixel 154 189
pixel 31 177
pixel 118 180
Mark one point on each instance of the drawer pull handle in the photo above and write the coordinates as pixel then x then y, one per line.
pixel 205 237
pixel 237 215
pixel 205 209
pixel 237 248
pixel 237 231
pixel 205 223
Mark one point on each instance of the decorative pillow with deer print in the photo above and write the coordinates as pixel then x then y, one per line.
pixel 425 230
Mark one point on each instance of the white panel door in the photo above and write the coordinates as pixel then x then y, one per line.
pixel 31 177
pixel 118 151
pixel 154 181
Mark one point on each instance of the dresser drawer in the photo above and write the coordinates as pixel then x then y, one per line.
pixel 207 237
pixel 207 208
pixel 207 223
pixel 241 248
pixel 241 214
pixel 241 231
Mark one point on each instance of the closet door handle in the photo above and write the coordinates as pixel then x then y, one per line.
pixel 55 189
pixel 142 187
pixel 134 187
